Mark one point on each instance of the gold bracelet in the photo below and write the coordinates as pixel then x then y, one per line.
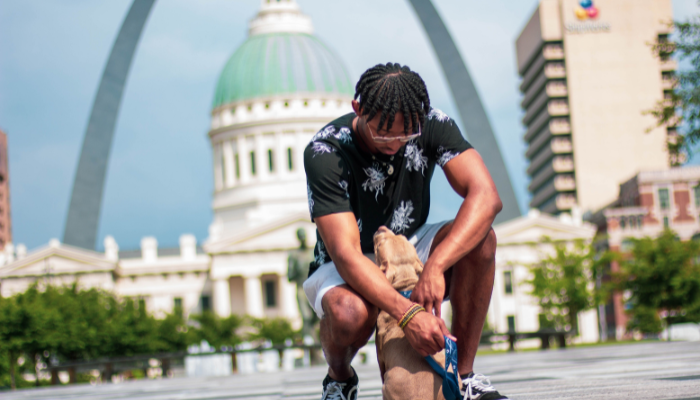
pixel 408 310
pixel 408 316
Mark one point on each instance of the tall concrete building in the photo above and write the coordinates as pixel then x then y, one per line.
pixel 5 220
pixel 588 74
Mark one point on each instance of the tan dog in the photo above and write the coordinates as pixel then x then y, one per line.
pixel 406 375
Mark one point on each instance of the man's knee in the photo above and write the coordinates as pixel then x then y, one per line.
pixel 350 318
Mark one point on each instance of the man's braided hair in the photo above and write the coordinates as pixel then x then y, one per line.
pixel 392 88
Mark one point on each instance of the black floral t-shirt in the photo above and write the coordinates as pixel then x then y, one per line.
pixel 378 189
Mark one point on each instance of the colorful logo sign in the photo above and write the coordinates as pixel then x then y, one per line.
pixel 586 10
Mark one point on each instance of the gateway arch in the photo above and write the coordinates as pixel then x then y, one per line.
pixel 86 198
pixel 82 221
pixel 474 120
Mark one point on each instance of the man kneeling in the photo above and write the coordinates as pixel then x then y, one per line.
pixel 372 168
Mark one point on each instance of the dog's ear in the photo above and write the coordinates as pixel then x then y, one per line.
pixel 418 266
pixel 388 270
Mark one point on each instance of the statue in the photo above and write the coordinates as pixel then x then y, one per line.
pixel 297 272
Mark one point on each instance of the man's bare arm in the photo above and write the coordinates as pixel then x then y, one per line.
pixel 342 240
pixel 469 177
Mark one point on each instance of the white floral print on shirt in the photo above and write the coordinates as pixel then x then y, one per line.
pixel 401 220
pixel 444 156
pixel 324 133
pixel 343 135
pixel 415 160
pixel 438 115
pixel 344 185
pixel 320 148
pixel 375 180
pixel 311 200
pixel 320 258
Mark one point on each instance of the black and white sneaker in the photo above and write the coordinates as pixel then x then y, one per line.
pixel 346 390
pixel 478 387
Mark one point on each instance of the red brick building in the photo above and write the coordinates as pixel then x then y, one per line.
pixel 648 203
pixel 5 220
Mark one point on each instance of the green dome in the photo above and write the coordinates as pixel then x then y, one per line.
pixel 279 64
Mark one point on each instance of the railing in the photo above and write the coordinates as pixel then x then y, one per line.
pixel 543 334
pixel 109 366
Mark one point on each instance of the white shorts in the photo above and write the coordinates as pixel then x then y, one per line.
pixel 326 277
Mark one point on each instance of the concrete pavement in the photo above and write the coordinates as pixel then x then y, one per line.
pixel 657 370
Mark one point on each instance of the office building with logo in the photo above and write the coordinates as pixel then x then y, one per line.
pixel 588 74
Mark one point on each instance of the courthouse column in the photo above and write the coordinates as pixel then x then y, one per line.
pixel 222 297
pixel 253 296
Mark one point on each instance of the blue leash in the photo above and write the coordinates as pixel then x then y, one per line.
pixel 450 383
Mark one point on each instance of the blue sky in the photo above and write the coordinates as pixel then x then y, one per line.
pixel 160 180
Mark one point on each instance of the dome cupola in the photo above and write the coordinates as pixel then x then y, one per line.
pixel 281 57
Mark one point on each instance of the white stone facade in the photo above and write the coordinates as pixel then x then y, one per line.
pixel 519 246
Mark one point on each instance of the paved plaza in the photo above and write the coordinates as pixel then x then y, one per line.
pixel 632 371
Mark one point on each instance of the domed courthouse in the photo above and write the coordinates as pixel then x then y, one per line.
pixel 278 88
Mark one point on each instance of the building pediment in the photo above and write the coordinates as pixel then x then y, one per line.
pixel 57 259
pixel 277 235
pixel 534 226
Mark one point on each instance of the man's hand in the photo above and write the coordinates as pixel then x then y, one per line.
pixel 430 290
pixel 426 333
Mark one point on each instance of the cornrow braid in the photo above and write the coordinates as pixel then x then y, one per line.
pixel 391 88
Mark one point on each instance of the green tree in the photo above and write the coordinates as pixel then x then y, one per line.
pixel 562 282
pixel 40 324
pixel 681 106
pixel 174 333
pixel 74 324
pixel 130 331
pixel 217 331
pixel 83 332
pixel 12 324
pixel 276 330
pixel 662 278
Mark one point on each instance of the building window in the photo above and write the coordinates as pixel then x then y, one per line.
pixel 508 280
pixel 639 221
pixel 270 160
pixel 697 196
pixel 223 169
pixel 252 163
pixel 237 165
pixel 623 222
pixel 663 199
pixel 511 323
pixel 177 303
pixel 290 163
pixel 206 305
pixel 665 222
pixel 270 294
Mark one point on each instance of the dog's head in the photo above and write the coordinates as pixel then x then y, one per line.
pixel 397 258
